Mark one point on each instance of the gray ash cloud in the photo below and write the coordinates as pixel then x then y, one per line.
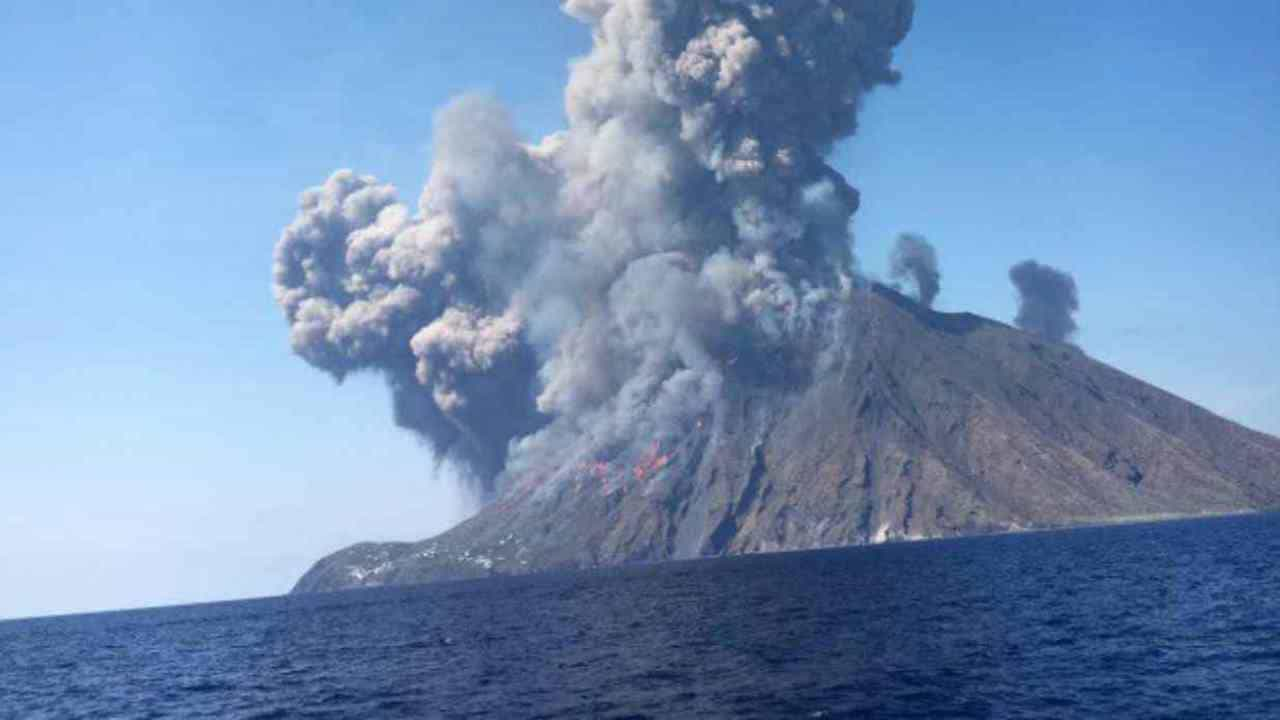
pixel 914 259
pixel 1047 300
pixel 547 300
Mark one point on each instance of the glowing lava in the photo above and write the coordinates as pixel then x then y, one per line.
pixel 651 462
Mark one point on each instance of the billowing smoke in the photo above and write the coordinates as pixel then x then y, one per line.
pixel 592 290
pixel 1047 300
pixel 915 259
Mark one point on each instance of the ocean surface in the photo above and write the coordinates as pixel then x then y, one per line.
pixel 1177 619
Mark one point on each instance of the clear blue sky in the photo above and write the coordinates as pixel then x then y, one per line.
pixel 158 442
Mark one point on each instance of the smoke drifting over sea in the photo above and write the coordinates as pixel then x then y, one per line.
pixel 556 302
pixel 1047 300
pixel 914 259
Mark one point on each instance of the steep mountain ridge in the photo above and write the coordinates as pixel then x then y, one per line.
pixel 919 424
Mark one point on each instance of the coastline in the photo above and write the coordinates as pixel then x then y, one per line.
pixel 1084 524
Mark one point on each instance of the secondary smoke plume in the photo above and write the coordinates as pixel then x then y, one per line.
pixel 915 259
pixel 551 301
pixel 1047 300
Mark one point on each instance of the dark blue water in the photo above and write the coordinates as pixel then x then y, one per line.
pixel 1169 620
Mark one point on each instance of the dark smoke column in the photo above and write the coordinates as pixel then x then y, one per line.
pixel 913 257
pixel 562 302
pixel 1047 299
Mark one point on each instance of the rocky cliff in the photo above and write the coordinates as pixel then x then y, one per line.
pixel 923 425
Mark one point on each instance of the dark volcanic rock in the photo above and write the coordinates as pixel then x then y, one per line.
pixel 928 425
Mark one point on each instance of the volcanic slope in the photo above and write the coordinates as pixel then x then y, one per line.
pixel 921 425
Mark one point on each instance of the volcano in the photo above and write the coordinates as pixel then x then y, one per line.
pixel 920 425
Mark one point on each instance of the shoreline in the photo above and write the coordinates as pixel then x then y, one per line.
pixel 1093 523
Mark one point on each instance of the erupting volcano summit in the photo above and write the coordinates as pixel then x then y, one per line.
pixel 643 337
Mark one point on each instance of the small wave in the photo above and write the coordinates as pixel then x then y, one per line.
pixel 206 686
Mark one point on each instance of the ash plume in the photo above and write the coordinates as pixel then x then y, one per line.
pixel 914 259
pixel 550 301
pixel 1047 300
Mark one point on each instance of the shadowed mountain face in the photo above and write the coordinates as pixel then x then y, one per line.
pixel 921 425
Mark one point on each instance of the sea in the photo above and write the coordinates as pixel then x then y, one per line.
pixel 1163 620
